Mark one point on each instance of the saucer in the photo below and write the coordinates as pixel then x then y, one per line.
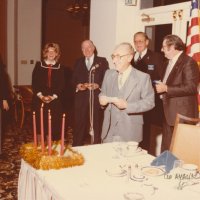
pixel 190 167
pixel 138 178
pixel 152 171
pixel 133 196
pixel 116 171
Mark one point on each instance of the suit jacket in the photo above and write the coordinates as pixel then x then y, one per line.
pixel 81 75
pixel 181 96
pixel 139 94
pixel 151 64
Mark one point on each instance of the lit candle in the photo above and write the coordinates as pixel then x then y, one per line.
pixel 49 132
pixel 34 130
pixel 62 136
pixel 42 127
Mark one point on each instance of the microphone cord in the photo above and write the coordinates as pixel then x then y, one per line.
pixel 91 105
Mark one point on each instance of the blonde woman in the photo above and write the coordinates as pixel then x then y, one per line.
pixel 48 85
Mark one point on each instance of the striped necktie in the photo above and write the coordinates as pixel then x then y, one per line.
pixel 139 58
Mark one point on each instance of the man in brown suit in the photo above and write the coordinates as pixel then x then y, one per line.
pixel 178 88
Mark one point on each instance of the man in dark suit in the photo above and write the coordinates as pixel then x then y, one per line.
pixel 178 88
pixel 149 62
pixel 87 111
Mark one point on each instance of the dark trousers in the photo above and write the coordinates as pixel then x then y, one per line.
pixel 166 136
pixel 145 144
pixel 82 121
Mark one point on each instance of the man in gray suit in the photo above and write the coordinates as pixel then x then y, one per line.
pixel 126 93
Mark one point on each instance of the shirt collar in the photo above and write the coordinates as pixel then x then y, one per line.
pixel 127 71
pixel 48 62
pixel 91 59
pixel 175 58
pixel 137 54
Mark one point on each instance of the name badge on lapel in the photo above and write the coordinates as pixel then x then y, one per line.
pixel 150 67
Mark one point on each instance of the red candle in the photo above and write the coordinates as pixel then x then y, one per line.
pixel 34 130
pixel 62 136
pixel 42 127
pixel 49 133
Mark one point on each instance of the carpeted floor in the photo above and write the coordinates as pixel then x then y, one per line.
pixel 10 160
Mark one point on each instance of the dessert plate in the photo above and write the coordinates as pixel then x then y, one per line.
pixel 152 171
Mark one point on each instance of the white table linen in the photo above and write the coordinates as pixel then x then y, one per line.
pixel 90 181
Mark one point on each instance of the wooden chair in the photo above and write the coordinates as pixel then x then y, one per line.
pixel 185 142
pixel 24 99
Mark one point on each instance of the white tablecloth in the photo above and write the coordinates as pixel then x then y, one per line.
pixel 91 182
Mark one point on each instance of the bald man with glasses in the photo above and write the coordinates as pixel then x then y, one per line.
pixel 125 94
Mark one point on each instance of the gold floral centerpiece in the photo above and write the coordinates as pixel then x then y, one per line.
pixel 42 160
pixel 55 155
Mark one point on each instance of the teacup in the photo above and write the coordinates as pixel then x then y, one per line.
pixel 132 146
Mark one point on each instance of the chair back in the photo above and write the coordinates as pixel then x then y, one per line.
pixel 185 143
pixel 26 94
pixel 23 103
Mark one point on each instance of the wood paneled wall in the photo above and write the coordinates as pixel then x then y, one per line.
pixel 3 31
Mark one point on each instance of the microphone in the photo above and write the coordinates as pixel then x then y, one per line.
pixel 95 67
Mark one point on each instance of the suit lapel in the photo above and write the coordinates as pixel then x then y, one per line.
pixel 94 61
pixel 130 83
pixel 146 56
pixel 164 69
pixel 114 77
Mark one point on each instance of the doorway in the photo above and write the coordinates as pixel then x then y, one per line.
pixel 156 33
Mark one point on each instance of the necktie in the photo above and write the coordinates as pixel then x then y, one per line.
pixel 49 75
pixel 88 64
pixel 139 58
pixel 120 80
pixel 168 70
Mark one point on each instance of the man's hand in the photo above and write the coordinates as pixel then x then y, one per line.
pixel 80 87
pixel 120 103
pixel 91 86
pixel 5 105
pixel 161 87
pixel 103 100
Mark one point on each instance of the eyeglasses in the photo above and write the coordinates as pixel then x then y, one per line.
pixel 164 46
pixel 118 57
pixel 139 41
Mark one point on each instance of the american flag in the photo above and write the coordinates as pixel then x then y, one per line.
pixel 193 35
